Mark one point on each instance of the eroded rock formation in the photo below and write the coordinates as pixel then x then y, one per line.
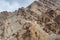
pixel 38 21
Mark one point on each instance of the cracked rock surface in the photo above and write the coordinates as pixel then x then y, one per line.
pixel 38 21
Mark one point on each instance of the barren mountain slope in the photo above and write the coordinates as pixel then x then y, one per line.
pixel 38 21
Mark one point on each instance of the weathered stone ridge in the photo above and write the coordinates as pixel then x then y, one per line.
pixel 38 21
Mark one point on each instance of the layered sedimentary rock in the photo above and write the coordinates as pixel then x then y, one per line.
pixel 38 21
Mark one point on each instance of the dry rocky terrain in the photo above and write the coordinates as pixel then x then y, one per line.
pixel 38 21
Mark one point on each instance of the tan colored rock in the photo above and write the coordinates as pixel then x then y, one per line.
pixel 38 21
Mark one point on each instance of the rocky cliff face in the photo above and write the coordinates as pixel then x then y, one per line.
pixel 39 21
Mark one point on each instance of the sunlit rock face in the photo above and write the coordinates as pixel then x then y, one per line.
pixel 38 21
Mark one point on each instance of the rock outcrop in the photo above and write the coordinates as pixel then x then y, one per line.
pixel 38 21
